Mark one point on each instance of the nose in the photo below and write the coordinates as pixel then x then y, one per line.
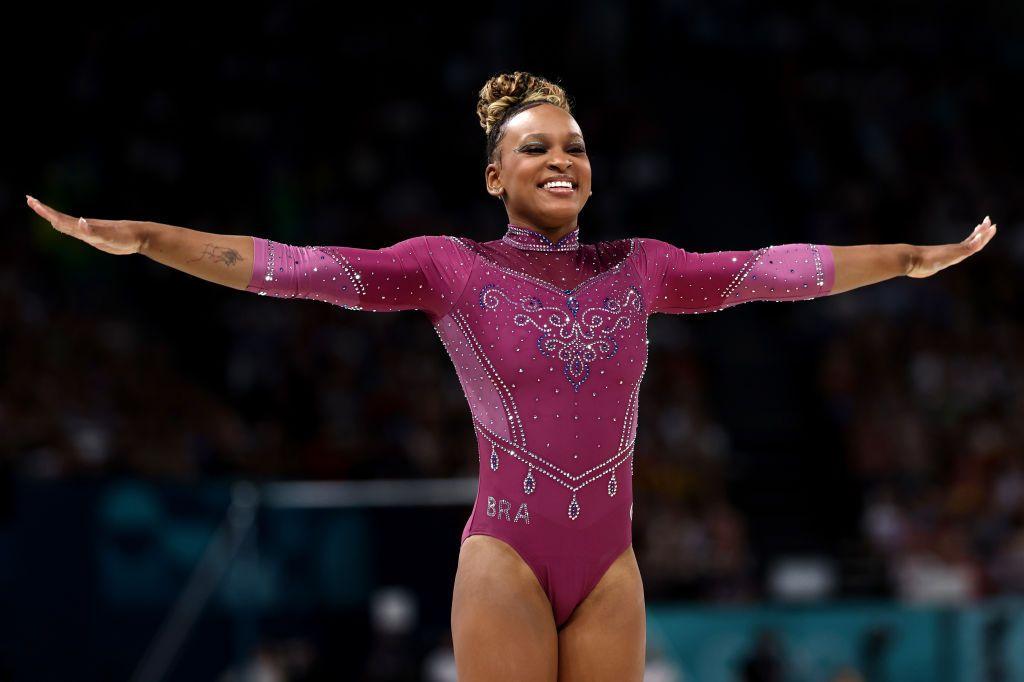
pixel 560 164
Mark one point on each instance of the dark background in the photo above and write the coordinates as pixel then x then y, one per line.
pixel 878 431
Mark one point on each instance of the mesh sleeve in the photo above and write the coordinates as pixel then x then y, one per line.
pixel 425 273
pixel 680 281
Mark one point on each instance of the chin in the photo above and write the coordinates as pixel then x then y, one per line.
pixel 554 218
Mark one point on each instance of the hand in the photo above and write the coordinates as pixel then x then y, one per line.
pixel 119 237
pixel 930 259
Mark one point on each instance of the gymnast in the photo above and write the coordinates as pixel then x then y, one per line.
pixel 548 337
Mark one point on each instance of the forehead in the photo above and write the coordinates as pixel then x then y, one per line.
pixel 545 120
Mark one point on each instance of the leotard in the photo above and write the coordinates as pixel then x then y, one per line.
pixel 549 341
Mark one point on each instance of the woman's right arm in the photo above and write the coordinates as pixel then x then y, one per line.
pixel 218 258
pixel 428 272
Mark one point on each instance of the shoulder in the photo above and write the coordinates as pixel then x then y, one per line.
pixel 449 249
pixel 652 249
pixel 447 240
pixel 436 242
pixel 650 244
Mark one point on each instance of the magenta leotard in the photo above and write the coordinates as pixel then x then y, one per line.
pixel 549 341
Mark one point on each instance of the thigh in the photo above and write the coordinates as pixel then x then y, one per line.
pixel 502 625
pixel 606 636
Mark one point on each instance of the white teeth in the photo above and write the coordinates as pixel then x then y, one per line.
pixel 558 183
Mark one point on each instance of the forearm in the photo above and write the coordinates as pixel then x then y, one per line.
pixel 218 258
pixel 858 266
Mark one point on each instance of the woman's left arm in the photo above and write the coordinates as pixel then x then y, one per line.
pixel 858 266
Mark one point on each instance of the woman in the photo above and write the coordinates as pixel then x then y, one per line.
pixel 548 337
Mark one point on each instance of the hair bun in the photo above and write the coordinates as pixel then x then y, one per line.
pixel 507 90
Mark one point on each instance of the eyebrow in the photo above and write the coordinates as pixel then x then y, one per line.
pixel 544 136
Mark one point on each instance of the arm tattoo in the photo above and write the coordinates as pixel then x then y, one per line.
pixel 219 254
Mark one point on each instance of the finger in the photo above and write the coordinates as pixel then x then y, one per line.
pixel 37 206
pixel 44 210
pixel 61 221
pixel 983 237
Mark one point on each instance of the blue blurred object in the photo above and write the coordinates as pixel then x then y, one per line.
pixel 883 641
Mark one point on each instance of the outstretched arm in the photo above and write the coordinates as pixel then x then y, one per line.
pixel 425 273
pixel 218 258
pixel 680 281
pixel 857 266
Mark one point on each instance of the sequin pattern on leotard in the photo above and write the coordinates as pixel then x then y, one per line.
pixel 549 343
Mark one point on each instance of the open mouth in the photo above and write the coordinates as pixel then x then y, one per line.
pixel 558 189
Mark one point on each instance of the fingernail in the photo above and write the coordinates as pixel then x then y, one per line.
pixel 987 220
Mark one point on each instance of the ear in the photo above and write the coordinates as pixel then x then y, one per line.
pixel 492 180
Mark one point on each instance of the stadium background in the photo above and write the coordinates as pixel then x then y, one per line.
pixel 867 522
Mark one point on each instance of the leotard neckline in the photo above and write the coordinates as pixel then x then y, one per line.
pixel 531 240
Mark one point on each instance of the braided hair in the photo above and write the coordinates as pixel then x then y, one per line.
pixel 505 95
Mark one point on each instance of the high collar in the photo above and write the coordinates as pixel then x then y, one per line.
pixel 531 240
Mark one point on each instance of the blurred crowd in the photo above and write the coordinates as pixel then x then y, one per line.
pixel 122 368
pixel 934 435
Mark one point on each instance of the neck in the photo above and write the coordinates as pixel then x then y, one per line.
pixel 538 240
pixel 553 233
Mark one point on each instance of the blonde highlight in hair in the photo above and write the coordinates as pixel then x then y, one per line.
pixel 507 94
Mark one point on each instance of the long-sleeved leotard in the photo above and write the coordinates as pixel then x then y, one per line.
pixel 549 341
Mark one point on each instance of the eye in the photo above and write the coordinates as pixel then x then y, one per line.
pixel 575 148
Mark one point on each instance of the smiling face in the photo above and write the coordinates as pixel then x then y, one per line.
pixel 540 143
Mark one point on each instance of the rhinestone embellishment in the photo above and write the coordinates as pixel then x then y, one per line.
pixel 494 459
pixel 572 482
pixel 613 486
pixel 532 240
pixel 529 484
pixel 576 339
pixel 819 274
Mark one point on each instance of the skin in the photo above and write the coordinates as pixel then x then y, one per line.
pixel 502 623
pixel 538 143
pixel 503 627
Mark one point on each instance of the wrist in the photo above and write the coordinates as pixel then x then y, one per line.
pixel 143 232
pixel 911 258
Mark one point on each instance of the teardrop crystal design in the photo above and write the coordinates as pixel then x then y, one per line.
pixel 631 465
pixel 494 460
pixel 613 486
pixel 529 485
pixel 574 508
